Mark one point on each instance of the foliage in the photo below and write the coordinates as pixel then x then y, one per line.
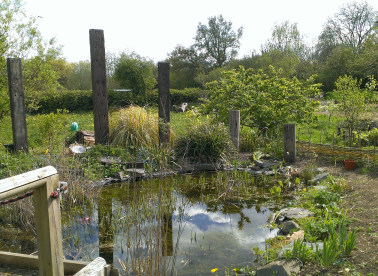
pixel 205 142
pixel 218 41
pixel 351 100
pixel 79 76
pixel 265 101
pixel 186 63
pixel 136 73
pixel 133 127
pixel 353 24
pixel 286 49
pixel 49 125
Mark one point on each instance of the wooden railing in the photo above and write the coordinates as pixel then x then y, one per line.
pixel 50 261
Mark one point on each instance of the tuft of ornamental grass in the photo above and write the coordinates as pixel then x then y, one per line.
pixel 134 127
pixel 206 142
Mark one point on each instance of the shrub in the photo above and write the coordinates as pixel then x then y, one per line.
pixel 205 142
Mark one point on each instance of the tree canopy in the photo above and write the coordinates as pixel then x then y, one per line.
pixel 217 40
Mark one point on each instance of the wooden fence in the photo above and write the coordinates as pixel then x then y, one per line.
pixel 50 259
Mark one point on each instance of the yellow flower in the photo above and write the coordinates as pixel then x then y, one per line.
pixel 213 270
pixel 46 151
pixel 304 189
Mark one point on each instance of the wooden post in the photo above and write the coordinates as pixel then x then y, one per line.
pixel 290 151
pixel 47 215
pixel 234 127
pixel 99 86
pixel 49 233
pixel 164 102
pixel 17 104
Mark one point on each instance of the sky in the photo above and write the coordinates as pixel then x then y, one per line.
pixel 153 28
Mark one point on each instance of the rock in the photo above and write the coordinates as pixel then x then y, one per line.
pixel 296 235
pixel 262 164
pixel 110 160
pixel 287 226
pixel 206 167
pixel 255 168
pixel 280 268
pixel 319 178
pixel 120 176
pixel 296 213
pixel 269 173
pixel 137 173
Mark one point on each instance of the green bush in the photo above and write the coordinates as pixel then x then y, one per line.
pixel 205 142
pixel 82 100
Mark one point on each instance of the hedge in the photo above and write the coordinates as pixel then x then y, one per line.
pixel 82 100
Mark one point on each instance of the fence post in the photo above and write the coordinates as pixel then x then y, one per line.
pixel 164 102
pixel 49 233
pixel 290 151
pixel 99 86
pixel 17 104
pixel 234 126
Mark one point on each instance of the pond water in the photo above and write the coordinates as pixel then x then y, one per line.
pixel 187 225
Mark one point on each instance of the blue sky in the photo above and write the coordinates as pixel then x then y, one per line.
pixel 152 28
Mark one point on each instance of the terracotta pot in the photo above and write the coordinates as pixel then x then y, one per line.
pixel 349 164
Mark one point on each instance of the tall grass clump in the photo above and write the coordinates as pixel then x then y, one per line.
pixel 205 142
pixel 134 127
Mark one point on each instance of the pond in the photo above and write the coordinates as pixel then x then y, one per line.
pixel 186 224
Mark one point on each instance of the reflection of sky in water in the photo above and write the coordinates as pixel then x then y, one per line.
pixel 208 239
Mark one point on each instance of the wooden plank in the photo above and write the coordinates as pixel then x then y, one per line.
pixel 164 102
pixel 31 262
pixel 234 126
pixel 17 104
pixel 99 86
pixel 49 234
pixel 95 268
pixel 26 178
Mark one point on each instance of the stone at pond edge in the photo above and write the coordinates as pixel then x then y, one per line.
pixel 136 172
pixel 280 268
pixel 287 226
pixel 262 164
pixel 296 235
pixel 319 178
pixel 296 213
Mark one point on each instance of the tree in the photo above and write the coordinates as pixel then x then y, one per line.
pixel 351 101
pixel 264 100
pixel 79 76
pixel 136 73
pixel 186 63
pixel 353 24
pixel 217 40
pixel 286 49
pixel 20 38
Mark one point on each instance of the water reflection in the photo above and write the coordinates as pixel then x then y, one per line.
pixel 165 226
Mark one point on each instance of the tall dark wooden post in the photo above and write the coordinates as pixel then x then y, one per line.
pixel 17 104
pixel 99 86
pixel 164 102
pixel 290 151
pixel 234 126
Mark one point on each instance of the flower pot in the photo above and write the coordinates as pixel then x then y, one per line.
pixel 349 164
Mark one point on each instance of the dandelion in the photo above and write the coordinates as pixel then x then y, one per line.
pixel 214 270
pixel 46 151
pixel 304 189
